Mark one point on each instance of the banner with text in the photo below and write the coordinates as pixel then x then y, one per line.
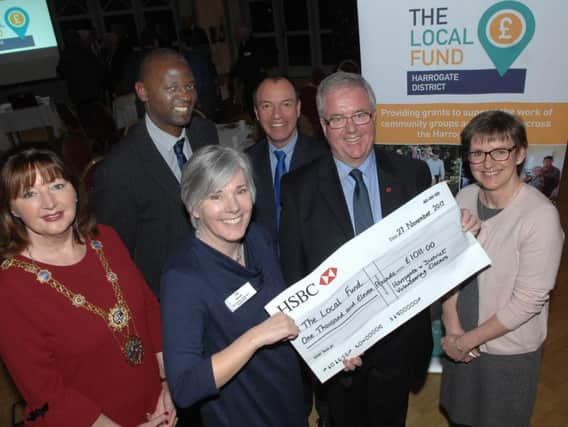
pixel 436 64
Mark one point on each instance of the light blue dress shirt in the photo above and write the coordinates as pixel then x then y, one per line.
pixel 165 142
pixel 288 149
pixel 371 179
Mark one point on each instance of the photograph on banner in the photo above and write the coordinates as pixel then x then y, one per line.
pixel 443 160
pixel 543 168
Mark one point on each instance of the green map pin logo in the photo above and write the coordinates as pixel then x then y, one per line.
pixel 18 20
pixel 504 30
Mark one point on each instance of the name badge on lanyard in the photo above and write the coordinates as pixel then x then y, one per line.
pixel 240 296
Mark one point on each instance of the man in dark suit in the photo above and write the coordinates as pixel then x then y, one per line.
pixel 325 205
pixel 277 109
pixel 137 185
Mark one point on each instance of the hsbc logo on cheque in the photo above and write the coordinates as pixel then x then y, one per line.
pixel 302 295
pixel 328 276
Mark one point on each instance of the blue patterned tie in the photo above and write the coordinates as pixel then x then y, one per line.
pixel 178 149
pixel 362 213
pixel 278 174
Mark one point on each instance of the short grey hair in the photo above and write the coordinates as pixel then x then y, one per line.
pixel 210 169
pixel 341 79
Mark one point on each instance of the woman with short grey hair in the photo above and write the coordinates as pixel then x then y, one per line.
pixel 214 166
pixel 221 349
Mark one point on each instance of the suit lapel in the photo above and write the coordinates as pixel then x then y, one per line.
pixel 154 163
pixel 332 192
pixel 265 177
pixel 193 133
pixel 300 153
pixel 390 187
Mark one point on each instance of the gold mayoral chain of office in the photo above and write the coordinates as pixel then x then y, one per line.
pixel 117 318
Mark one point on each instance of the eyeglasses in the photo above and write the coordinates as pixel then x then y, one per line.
pixel 499 155
pixel 360 118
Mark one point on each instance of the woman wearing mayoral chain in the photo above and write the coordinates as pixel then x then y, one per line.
pixel 79 328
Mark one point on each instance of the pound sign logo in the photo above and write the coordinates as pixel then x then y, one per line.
pixel 504 30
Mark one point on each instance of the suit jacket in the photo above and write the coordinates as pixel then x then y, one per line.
pixel 307 149
pixel 315 222
pixel 137 194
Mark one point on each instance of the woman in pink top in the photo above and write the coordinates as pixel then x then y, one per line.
pixel 496 323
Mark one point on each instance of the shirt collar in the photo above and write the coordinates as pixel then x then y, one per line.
pixel 160 137
pixel 343 169
pixel 288 148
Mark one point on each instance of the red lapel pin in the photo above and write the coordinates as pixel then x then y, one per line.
pixel 388 189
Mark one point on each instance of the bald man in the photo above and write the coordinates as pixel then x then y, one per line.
pixel 137 185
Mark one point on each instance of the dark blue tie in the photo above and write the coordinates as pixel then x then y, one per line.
pixel 278 174
pixel 362 213
pixel 178 149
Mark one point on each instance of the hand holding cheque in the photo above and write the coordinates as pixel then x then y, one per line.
pixel 381 279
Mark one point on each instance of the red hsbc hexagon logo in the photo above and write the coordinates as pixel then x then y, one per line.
pixel 328 276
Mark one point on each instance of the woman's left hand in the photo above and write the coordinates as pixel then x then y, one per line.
pixel 453 350
pixel 470 222
pixel 450 348
pixel 165 405
pixel 352 363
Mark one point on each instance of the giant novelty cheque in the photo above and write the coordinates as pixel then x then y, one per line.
pixel 379 280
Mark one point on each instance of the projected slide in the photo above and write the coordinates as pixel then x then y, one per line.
pixel 25 25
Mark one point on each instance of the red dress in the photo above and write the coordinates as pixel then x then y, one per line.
pixel 65 361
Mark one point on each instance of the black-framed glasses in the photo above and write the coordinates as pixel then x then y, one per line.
pixel 360 118
pixel 498 154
